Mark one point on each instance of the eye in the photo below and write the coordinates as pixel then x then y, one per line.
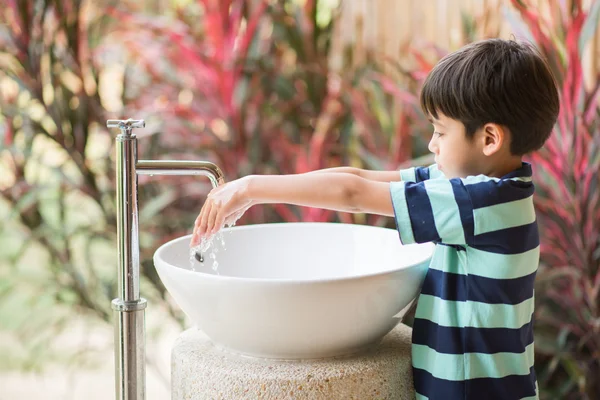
pixel 437 133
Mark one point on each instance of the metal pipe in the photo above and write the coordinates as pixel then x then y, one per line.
pixel 130 362
pixel 127 212
pixel 130 349
pixel 130 352
pixel 180 167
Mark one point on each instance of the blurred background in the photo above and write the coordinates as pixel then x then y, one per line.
pixel 256 86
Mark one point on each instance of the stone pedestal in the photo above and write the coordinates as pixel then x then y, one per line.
pixel 202 371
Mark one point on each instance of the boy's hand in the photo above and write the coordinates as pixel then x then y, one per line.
pixel 224 204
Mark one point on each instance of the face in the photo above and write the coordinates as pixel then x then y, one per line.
pixel 456 155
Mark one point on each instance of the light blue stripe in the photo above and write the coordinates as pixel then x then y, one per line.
pixel 474 314
pixel 408 175
pixel 434 172
pixel 504 216
pixel 401 212
pixel 458 367
pixel 447 259
pixel 486 264
pixel 445 211
pixel 473 180
pixel 420 396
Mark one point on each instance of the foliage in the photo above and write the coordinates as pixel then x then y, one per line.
pixel 244 84
pixel 58 253
pixel 567 199
pixel 251 90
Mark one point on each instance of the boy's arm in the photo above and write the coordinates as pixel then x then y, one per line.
pixel 413 174
pixel 433 210
pixel 333 190
pixel 378 176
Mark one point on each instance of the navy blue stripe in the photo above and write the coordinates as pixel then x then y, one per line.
pixel 421 174
pixel 509 241
pixel 465 208
pixel 420 213
pixel 445 285
pixel 457 287
pixel 524 171
pixel 509 387
pixel 454 340
pixel 490 193
pixel 501 291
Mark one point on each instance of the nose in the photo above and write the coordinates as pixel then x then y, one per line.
pixel 432 146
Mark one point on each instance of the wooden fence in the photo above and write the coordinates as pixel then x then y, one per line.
pixel 386 28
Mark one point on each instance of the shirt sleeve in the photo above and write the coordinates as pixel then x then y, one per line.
pixel 420 174
pixel 433 210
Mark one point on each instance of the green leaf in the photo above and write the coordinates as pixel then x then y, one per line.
pixel 26 201
pixel 590 26
pixel 152 207
pixel 545 341
pixel 576 373
pixel 371 160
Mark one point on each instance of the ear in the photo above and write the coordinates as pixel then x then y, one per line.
pixel 493 138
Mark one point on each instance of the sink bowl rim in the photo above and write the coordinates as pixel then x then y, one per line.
pixel 289 281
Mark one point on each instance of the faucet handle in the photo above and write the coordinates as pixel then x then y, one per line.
pixel 126 126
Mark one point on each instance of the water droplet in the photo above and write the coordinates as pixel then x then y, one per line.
pixel 209 243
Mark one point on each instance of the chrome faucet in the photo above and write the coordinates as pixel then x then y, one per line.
pixel 130 362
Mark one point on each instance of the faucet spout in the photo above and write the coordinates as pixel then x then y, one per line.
pixel 181 167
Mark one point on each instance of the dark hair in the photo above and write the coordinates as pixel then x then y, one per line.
pixel 499 81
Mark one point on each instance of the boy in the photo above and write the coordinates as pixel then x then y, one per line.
pixel 490 103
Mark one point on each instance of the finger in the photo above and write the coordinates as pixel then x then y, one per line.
pixel 206 210
pixel 210 228
pixel 198 219
pixel 219 221
pixel 195 235
pixel 194 240
pixel 198 222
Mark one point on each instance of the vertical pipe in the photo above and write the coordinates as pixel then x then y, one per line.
pixel 130 355
pixel 130 374
pixel 130 363
pixel 127 214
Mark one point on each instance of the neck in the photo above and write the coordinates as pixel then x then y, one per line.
pixel 505 166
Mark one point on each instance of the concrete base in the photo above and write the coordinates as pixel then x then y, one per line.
pixel 202 371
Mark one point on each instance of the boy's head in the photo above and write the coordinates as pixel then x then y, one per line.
pixel 490 103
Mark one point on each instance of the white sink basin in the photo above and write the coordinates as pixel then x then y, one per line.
pixel 297 290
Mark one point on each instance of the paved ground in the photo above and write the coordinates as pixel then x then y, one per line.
pixel 98 384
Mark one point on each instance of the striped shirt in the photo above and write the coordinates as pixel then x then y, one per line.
pixel 473 330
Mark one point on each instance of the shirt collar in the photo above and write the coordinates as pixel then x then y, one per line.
pixel 523 172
